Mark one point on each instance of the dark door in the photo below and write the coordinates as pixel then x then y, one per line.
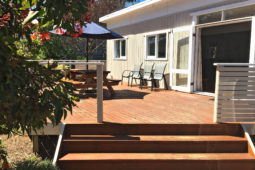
pixel 223 45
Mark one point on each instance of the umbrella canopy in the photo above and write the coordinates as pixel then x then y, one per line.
pixel 93 31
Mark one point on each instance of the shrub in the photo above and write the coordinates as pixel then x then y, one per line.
pixel 36 163
pixel 3 160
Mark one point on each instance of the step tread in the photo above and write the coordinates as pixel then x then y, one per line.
pixel 74 138
pixel 153 129
pixel 155 156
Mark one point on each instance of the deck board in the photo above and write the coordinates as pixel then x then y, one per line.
pixel 133 105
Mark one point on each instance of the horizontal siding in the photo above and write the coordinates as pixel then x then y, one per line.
pixel 235 95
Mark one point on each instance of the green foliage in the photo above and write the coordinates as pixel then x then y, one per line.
pixel 3 157
pixel 55 48
pixel 35 163
pixel 32 94
pixel 37 95
pixel 29 50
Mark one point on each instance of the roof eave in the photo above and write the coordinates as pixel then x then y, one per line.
pixel 124 11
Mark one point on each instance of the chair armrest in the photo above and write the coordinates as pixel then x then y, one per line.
pixel 126 71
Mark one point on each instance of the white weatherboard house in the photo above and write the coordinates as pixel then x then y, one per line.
pixel 188 35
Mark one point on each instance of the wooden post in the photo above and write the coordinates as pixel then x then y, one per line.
pixel 35 140
pixel 216 98
pixel 100 93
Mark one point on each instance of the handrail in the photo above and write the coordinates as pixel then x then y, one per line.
pixel 99 81
pixel 74 63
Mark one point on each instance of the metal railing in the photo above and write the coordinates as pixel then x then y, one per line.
pixel 234 93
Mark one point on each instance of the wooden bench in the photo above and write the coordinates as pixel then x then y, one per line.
pixel 81 85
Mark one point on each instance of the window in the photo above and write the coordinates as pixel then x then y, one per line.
pixel 246 11
pixel 227 14
pixel 156 46
pixel 212 17
pixel 120 49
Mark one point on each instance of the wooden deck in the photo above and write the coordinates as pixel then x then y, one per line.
pixel 133 105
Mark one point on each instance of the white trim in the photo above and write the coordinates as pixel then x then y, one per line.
pixel 171 58
pixel 191 57
pixel 181 71
pixel 128 10
pixel 55 159
pixel 73 63
pixel 180 88
pixel 233 64
pixel 248 137
pixel 252 48
pixel 114 49
pixel 156 34
pixel 218 23
pixel 225 7
pixel 156 59
pixel 205 93
pixel 120 59
pixel 182 29
pixel 124 37
pixel 196 59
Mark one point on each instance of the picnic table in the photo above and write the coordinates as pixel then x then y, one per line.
pixel 84 79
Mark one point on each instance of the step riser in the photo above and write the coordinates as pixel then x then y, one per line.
pixel 154 129
pixel 155 147
pixel 158 165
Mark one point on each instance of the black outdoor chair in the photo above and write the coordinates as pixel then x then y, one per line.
pixel 158 74
pixel 135 74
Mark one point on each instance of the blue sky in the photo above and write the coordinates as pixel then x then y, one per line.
pixel 129 4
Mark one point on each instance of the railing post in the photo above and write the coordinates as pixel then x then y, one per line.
pixel 100 93
pixel 216 98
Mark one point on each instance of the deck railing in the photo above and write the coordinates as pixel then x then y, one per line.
pixel 80 63
pixel 235 93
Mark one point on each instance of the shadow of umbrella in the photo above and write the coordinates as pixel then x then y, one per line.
pixel 90 31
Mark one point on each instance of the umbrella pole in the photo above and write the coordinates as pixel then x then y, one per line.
pixel 87 53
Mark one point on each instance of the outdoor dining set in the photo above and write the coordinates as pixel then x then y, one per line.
pixel 146 74
pixel 82 80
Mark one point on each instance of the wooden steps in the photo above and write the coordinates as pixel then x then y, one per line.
pixel 158 161
pixel 155 146
pixel 153 129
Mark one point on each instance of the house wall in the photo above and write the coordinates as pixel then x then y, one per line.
pixel 136 40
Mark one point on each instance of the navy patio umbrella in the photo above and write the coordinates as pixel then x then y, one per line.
pixel 92 31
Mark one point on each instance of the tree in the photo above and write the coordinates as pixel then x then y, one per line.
pixel 98 9
pixel 32 94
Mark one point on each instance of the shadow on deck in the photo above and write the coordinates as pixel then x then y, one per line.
pixel 133 105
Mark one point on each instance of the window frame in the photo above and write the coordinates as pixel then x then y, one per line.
pixel 120 52
pixel 156 35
